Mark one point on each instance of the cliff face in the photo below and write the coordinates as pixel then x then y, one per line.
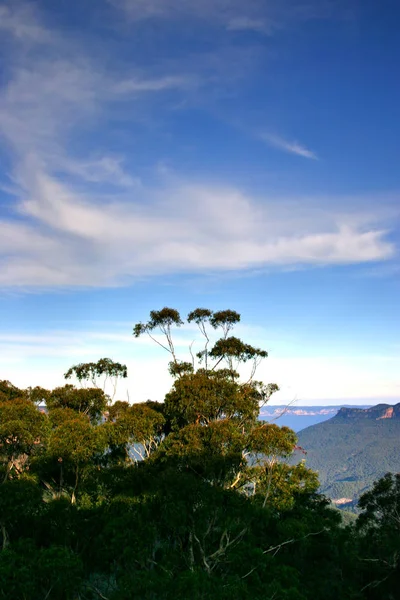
pixel 381 411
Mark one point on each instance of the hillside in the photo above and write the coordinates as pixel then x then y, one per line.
pixel 353 449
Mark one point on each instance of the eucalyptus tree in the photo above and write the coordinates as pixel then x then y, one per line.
pixel 99 374
pixel 227 349
pixel 74 443
pixel 208 407
pixel 88 401
pixel 215 436
pixel 23 433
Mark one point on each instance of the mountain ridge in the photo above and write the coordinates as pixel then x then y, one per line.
pixel 298 417
pixel 380 411
pixel 352 450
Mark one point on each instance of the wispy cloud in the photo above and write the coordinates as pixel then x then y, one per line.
pixel 86 219
pixel 150 9
pixel 70 239
pixel 234 15
pixel 99 170
pixel 292 147
pixel 168 82
pixel 22 22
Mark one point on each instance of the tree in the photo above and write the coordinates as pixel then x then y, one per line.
pixel 27 571
pixel 162 320
pixel 213 416
pixel 74 444
pixel 37 395
pixel 229 349
pixel 207 396
pixel 104 368
pixel 8 391
pixel 20 502
pixel 139 429
pixel 379 529
pixel 88 401
pixel 23 430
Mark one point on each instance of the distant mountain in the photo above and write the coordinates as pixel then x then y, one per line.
pixel 353 449
pixel 299 417
pixel 375 413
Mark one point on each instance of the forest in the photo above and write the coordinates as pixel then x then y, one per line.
pixel 351 453
pixel 193 497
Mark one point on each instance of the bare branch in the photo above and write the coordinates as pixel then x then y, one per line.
pixel 159 343
pixel 285 409
pixel 191 353
pixel 292 541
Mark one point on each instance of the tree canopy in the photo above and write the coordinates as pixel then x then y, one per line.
pixel 194 496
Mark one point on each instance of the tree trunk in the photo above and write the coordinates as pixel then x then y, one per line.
pixel 61 481
pixel 4 533
pixel 9 467
pixel 191 552
pixel 73 497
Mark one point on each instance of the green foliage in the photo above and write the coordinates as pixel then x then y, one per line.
pixel 88 401
pixel 280 485
pixel 37 395
pixel 163 319
pixel 214 453
pixel 230 349
pixel 203 397
pixel 36 573
pixel 177 369
pixel 272 441
pixel 200 316
pixel 22 432
pixel 104 368
pixel 8 391
pixel 141 426
pixel 233 347
pixel 90 371
pixel 381 505
pixel 194 497
pixel 117 409
pixel 226 319
pixel 76 442
pixel 378 526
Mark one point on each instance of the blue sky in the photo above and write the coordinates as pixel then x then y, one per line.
pixel 215 153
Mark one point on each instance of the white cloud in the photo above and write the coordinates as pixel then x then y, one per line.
pixel 106 169
pixel 44 100
pixel 167 230
pixel 292 147
pixel 48 98
pixel 67 231
pixel 21 21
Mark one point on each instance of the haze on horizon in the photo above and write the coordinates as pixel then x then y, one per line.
pixel 219 154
